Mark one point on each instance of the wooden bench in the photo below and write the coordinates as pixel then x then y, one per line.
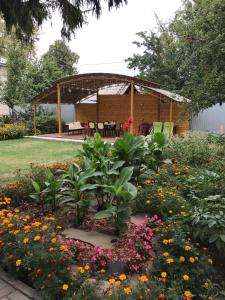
pixel 75 127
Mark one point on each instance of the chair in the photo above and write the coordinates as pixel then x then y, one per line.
pixel 75 127
pixel 144 128
pixel 91 128
pixel 119 130
pixel 157 127
pixel 101 128
pixel 168 128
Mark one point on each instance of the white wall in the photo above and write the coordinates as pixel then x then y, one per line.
pixel 210 120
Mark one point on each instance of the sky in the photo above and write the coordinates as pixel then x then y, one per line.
pixel 103 44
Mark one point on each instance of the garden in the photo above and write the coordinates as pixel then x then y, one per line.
pixel 174 188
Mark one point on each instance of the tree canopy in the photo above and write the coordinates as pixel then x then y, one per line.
pixel 27 76
pixel 26 16
pixel 187 55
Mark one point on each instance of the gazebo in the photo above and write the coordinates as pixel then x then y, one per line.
pixel 139 99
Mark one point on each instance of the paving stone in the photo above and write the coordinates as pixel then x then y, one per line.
pixel 138 219
pixel 17 296
pixel 4 298
pixel 2 284
pixel 6 291
pixel 93 237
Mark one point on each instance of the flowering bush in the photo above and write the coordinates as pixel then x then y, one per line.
pixel 140 244
pixel 100 259
pixel 12 131
pixel 35 252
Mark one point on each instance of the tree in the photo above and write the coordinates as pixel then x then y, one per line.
pixel 26 16
pixel 187 55
pixel 62 57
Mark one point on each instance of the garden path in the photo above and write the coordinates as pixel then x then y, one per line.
pixel 92 237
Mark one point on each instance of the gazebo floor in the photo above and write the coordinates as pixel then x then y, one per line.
pixel 71 137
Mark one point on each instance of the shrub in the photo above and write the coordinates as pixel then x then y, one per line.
pixel 12 131
pixel 44 124
pixel 192 148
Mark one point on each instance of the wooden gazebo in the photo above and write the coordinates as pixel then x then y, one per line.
pixel 143 100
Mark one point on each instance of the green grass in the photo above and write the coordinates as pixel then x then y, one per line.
pixel 18 154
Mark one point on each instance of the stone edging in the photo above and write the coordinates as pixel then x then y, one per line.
pixel 19 286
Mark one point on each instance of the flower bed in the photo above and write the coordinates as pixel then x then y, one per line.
pixel 12 131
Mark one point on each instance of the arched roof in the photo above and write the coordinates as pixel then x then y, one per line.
pixel 76 87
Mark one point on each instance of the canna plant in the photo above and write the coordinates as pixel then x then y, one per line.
pixel 75 191
pixel 121 193
pixel 48 193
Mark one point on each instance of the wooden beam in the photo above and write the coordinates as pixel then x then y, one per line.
pixel 97 106
pixel 132 106
pixel 59 111
pixel 75 113
pixel 35 122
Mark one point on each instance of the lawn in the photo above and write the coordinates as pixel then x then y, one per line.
pixel 18 154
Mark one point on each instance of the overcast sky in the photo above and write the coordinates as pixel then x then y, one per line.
pixel 104 44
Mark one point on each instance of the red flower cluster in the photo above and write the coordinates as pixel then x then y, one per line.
pixel 127 123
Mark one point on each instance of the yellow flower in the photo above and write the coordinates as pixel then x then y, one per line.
pixel 10 225
pixel 192 259
pixel 25 240
pixel 65 287
pixel 81 270
pixel 118 283
pixel 170 260
pixel 187 248
pixel 53 240
pixel 127 291
pixel 112 280
pixel 16 232
pixel 87 267
pixel 37 238
pixel 166 254
pixel 44 227
pixel 181 259
pixel 186 277
pixel 51 249
pixel 188 294
pixel 58 227
pixel 170 211
pixel 62 247
pixel 16 210
pixel 210 261
pixel 18 262
pixel 122 277
pixel 36 224
pixel 163 274
pixel 143 278
pixel 165 242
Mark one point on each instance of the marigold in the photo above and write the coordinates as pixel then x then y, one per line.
pixel 44 227
pixel 37 238
pixel 210 261
pixel 187 248
pixel 122 277
pixel 163 274
pixel 166 254
pixel 118 283
pixel 188 294
pixel 170 260
pixel 127 291
pixel 10 225
pixel 18 262
pixel 53 240
pixel 65 287
pixel 81 270
pixel 25 240
pixel 181 259
pixel 186 277
pixel 36 224
pixel 62 247
pixel 192 259
pixel 87 267
pixel 143 278
pixel 112 280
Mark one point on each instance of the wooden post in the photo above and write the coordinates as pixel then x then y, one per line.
pixel 132 106
pixel 59 111
pixel 171 116
pixel 97 107
pixel 75 113
pixel 35 122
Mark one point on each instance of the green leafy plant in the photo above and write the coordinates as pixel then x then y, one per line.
pixel 121 193
pixel 208 221
pixel 48 196
pixel 75 191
